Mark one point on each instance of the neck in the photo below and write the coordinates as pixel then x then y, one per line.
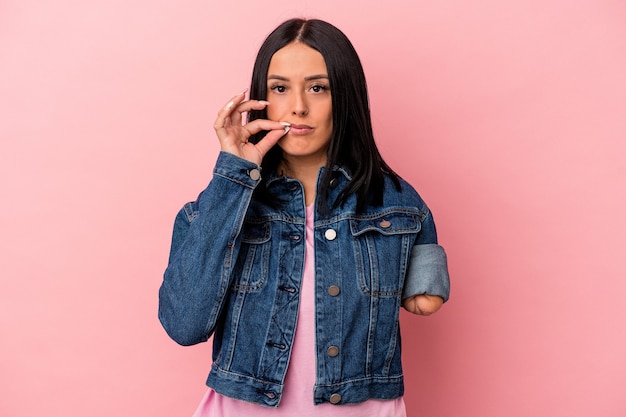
pixel 305 170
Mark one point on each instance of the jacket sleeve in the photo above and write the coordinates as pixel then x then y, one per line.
pixel 205 244
pixel 428 266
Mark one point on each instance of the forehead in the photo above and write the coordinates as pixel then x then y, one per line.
pixel 297 59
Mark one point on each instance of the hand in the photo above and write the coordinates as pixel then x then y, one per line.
pixel 234 136
pixel 423 304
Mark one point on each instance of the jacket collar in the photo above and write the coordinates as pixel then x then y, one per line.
pixel 337 171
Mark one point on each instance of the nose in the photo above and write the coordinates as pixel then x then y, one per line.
pixel 300 107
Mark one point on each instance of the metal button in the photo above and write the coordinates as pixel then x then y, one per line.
pixel 334 290
pixel 254 174
pixel 332 351
pixel 333 183
pixel 330 234
pixel 385 224
pixel 335 398
pixel 291 290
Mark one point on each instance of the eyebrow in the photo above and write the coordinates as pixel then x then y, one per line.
pixel 309 78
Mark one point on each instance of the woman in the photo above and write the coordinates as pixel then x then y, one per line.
pixel 301 250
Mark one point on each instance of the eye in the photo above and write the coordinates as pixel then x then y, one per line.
pixel 319 88
pixel 278 88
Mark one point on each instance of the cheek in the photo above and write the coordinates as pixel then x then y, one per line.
pixel 328 109
pixel 329 118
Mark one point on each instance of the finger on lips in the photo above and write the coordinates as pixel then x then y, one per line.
pixel 258 125
pixel 227 118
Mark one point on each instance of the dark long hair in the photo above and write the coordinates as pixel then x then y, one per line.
pixel 352 142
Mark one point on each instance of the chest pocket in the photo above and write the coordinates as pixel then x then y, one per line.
pixel 382 246
pixel 251 267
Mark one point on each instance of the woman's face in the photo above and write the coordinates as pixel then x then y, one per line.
pixel 299 93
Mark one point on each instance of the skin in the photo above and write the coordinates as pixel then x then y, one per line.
pixel 299 108
pixel 423 304
pixel 299 90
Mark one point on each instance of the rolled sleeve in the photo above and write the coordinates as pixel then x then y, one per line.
pixel 428 272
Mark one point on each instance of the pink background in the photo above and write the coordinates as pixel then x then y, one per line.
pixel 508 116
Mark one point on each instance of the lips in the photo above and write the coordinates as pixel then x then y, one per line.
pixel 300 129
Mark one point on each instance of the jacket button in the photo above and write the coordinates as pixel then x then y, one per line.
pixel 254 174
pixel 332 351
pixel 330 234
pixel 335 398
pixel 333 290
pixel 333 183
pixel 385 224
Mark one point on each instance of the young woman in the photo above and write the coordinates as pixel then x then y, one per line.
pixel 300 252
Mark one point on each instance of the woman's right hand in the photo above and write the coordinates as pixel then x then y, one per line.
pixel 234 136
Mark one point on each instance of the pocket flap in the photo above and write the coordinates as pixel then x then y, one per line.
pixel 387 223
pixel 255 233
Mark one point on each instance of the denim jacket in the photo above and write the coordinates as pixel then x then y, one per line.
pixel 235 272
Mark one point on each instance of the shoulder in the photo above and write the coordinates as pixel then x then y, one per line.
pixel 405 196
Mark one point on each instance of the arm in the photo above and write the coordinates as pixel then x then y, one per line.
pixel 423 304
pixel 427 284
pixel 205 242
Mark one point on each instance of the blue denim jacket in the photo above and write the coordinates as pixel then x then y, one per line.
pixel 235 272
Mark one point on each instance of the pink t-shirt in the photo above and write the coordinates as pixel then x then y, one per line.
pixel 297 397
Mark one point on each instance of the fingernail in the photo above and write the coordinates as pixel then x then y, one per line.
pixel 266 103
pixel 285 123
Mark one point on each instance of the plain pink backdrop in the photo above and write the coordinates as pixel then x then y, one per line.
pixel 508 116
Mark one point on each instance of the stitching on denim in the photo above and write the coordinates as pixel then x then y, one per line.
pixel 245 184
pixel 393 378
